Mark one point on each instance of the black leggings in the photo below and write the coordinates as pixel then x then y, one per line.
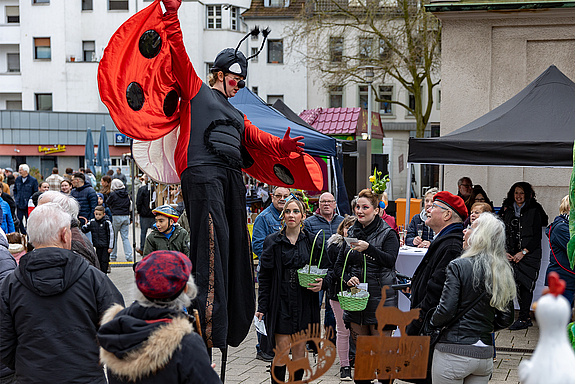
pixel 525 297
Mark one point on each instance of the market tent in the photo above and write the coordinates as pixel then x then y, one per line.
pixel 272 121
pixel 535 128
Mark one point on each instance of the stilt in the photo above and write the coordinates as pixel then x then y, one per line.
pixel 224 362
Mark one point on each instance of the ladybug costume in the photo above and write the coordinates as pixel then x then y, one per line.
pixel 153 93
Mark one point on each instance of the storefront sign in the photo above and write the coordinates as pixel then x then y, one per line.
pixel 53 149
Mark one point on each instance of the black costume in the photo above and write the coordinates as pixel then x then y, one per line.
pixel 287 306
pixel 380 261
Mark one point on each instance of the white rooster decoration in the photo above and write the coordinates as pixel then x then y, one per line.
pixel 553 361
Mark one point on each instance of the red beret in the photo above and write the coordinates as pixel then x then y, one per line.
pixel 163 274
pixel 456 203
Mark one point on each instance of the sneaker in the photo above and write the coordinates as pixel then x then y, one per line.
pixel 264 357
pixel 518 325
pixel 345 373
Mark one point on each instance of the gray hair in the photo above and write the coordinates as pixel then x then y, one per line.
pixel 24 167
pixel 430 191
pixel 491 267
pixel 45 223
pixel 67 203
pixel 183 300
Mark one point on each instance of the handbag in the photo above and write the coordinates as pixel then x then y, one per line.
pixel 434 333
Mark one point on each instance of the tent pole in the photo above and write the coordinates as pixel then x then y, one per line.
pixel 441 178
pixel 408 196
pixel 329 176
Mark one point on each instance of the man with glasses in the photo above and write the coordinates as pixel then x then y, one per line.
pixel 268 222
pixel 465 187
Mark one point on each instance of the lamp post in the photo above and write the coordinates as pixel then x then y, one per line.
pixel 369 79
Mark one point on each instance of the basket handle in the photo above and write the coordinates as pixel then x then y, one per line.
pixel 313 246
pixel 345 264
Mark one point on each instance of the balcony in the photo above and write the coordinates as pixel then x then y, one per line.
pixel 10 82
pixel 9 33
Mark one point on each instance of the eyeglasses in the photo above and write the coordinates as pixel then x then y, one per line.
pixel 439 206
pixel 281 197
pixel 327 202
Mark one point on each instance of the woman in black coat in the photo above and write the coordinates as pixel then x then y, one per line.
pixel 288 307
pixel 523 217
pixel 379 243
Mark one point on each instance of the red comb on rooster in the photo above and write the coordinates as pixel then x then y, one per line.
pixel 556 285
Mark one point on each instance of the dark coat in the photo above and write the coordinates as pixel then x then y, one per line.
pixel 558 234
pixel 429 277
pixel 7 265
pixel 412 231
pixel 528 236
pixel 82 246
pixel 51 307
pixel 480 321
pixel 119 202
pixel 88 200
pixel 303 303
pixel 24 190
pixel 143 202
pixel 102 232
pixel 317 222
pixel 332 282
pixel 137 348
pixel 380 259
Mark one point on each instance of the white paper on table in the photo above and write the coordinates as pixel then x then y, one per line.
pixel 362 286
pixel 260 326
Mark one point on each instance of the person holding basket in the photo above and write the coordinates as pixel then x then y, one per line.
pixel 288 304
pixel 368 259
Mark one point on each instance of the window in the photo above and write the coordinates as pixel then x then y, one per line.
pixel 275 51
pixel 43 101
pixel 214 14
pixel 209 67
pixel 13 60
pixel 363 96
pixel 253 52
pixel 273 98
pixel 385 52
pixel 254 37
pixel 117 5
pixel 410 102
pixel 89 49
pixel 14 105
pixel 336 96
pixel 439 99
pixel 255 90
pixel 365 48
pixel 40 1
pixel 278 3
pixel 234 18
pixel 42 49
pixel 385 93
pixel 12 14
pixel 87 5
pixel 336 49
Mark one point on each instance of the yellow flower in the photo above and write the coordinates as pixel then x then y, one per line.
pixel 372 179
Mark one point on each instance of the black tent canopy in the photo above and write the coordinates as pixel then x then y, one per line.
pixel 535 128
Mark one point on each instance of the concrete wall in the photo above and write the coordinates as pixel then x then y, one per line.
pixel 487 58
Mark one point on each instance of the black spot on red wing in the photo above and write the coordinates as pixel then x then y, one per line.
pixel 171 103
pixel 135 96
pixel 150 44
pixel 284 174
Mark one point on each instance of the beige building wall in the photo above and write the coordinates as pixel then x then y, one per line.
pixel 487 58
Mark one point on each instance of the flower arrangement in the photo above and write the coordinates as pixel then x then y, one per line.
pixel 378 183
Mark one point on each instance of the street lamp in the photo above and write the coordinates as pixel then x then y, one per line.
pixel 369 75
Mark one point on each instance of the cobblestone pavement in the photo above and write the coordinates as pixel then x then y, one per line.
pixel 243 367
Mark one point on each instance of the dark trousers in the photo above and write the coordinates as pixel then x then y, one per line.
pixel 524 297
pixel 145 223
pixel 215 199
pixel 103 258
pixel 21 213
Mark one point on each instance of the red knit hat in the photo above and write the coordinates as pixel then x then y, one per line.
pixel 163 275
pixel 456 203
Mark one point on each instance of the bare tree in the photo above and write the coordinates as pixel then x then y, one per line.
pixel 340 38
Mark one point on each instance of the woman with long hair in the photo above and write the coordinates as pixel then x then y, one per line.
pixel 105 184
pixel 373 256
pixel 523 217
pixel 464 352
pixel 66 187
pixel 288 308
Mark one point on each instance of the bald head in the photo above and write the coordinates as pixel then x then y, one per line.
pixel 327 205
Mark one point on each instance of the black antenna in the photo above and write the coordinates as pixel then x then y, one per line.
pixel 254 32
pixel 265 33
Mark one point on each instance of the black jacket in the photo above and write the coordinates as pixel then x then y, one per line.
pixel 480 321
pixel 380 259
pixel 119 202
pixel 412 231
pixel 143 202
pixel 87 198
pixel 102 232
pixel 332 282
pixel 429 277
pixel 137 348
pixel 558 234
pixel 528 236
pixel 50 309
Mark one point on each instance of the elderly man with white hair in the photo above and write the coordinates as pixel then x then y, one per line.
pixel 50 307
pixel 24 187
pixel 80 243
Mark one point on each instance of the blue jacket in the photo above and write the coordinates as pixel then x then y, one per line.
pixel 23 191
pixel 317 222
pixel 6 223
pixel 88 200
pixel 267 222
pixel 412 231
pixel 558 233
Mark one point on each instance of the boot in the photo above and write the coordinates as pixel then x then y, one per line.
pixel 298 375
pixel 280 373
